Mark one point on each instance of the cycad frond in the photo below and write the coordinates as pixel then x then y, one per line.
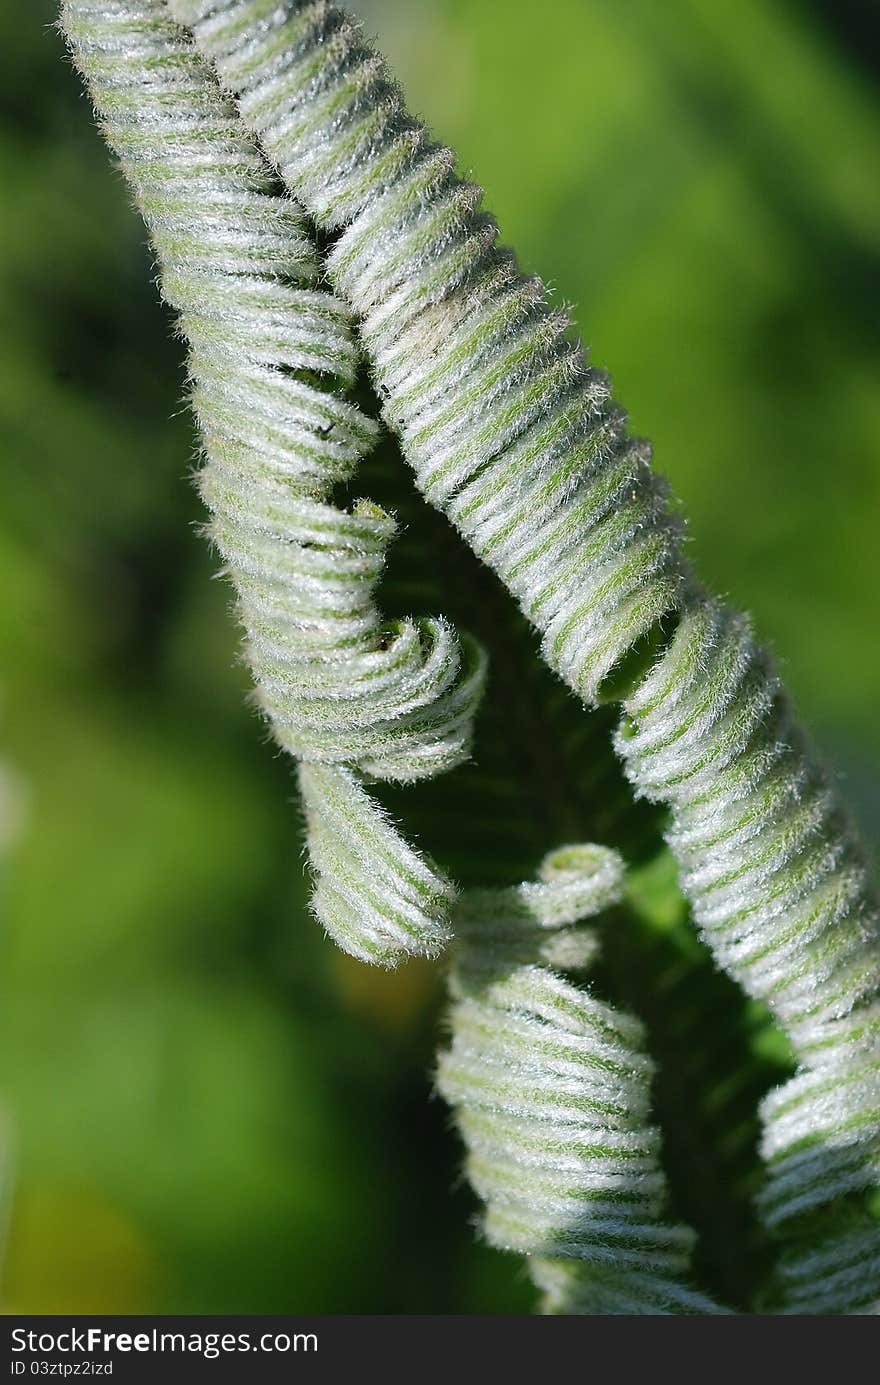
pixel 513 435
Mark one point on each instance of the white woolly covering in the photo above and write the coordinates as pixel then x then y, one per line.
pixel 551 1094
pixel 271 357
pixel 514 436
pixel 780 891
pixel 773 875
pixel 508 427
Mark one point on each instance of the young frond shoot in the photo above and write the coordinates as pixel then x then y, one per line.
pixel 514 436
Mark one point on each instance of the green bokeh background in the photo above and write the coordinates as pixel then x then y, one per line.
pixel 203 1107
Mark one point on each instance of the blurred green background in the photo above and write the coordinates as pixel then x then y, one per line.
pixel 203 1107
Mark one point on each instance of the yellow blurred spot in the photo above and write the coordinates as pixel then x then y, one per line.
pixel 69 1250
pixel 392 1000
